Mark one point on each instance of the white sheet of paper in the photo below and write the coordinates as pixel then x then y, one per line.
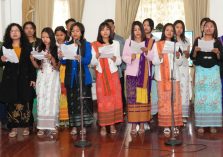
pixel 136 47
pixel 38 55
pixel 206 46
pixel 168 47
pixel 10 55
pixel 69 51
pixel 106 51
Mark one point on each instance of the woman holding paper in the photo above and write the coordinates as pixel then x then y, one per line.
pixel 207 53
pixel 72 75
pixel 137 77
pixel 18 82
pixel 106 58
pixel 183 46
pixel 47 84
pixel 61 38
pixel 163 60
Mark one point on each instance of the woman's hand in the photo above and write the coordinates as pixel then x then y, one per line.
pixel 48 56
pixel 133 56
pixel 216 51
pixel 60 54
pixel 3 58
pixel 196 49
pixel 114 58
pixel 77 57
pixel 97 55
pixel 33 84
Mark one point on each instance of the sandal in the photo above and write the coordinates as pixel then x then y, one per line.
pixel 54 132
pixel 133 131
pixel 166 131
pixel 13 133
pixel 83 131
pixel 26 132
pixel 213 130
pixel 200 130
pixel 40 133
pixel 141 131
pixel 74 131
pixel 176 131
pixel 103 131
pixel 113 130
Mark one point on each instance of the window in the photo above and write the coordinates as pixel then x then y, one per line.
pixel 61 12
pixel 161 11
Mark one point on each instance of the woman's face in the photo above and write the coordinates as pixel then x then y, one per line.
pixel 45 38
pixel 147 27
pixel 60 37
pixel 179 29
pixel 29 31
pixel 209 28
pixel 105 32
pixel 169 32
pixel 137 32
pixel 15 33
pixel 76 33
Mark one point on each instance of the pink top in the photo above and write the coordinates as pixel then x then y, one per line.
pixel 133 66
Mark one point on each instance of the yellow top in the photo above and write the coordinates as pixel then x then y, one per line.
pixel 17 51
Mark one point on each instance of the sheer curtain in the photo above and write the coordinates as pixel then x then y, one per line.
pixel 161 11
pixel 61 13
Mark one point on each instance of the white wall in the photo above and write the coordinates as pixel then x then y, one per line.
pixel 10 11
pixel 216 14
pixel 95 12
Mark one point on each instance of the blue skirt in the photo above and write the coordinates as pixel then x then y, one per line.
pixel 208 97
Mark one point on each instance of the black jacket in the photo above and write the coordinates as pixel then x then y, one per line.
pixel 15 86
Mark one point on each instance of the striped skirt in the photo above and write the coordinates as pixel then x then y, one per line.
pixel 137 112
pixel 164 105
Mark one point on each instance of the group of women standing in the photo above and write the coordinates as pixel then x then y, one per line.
pixel 154 77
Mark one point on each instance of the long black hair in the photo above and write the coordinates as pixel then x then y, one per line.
pixel 82 39
pixel 163 37
pixel 7 41
pixel 138 23
pixel 182 36
pixel 215 34
pixel 61 29
pixel 101 27
pixel 33 26
pixel 53 46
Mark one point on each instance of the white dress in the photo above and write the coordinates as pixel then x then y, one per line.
pixel 48 96
pixel 184 79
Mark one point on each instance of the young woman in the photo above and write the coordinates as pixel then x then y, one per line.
pixel 148 25
pixel 47 84
pixel 72 84
pixel 163 60
pixel 183 45
pixel 29 29
pixel 16 88
pixel 61 38
pixel 108 88
pixel 202 22
pixel 137 78
pixel 207 105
